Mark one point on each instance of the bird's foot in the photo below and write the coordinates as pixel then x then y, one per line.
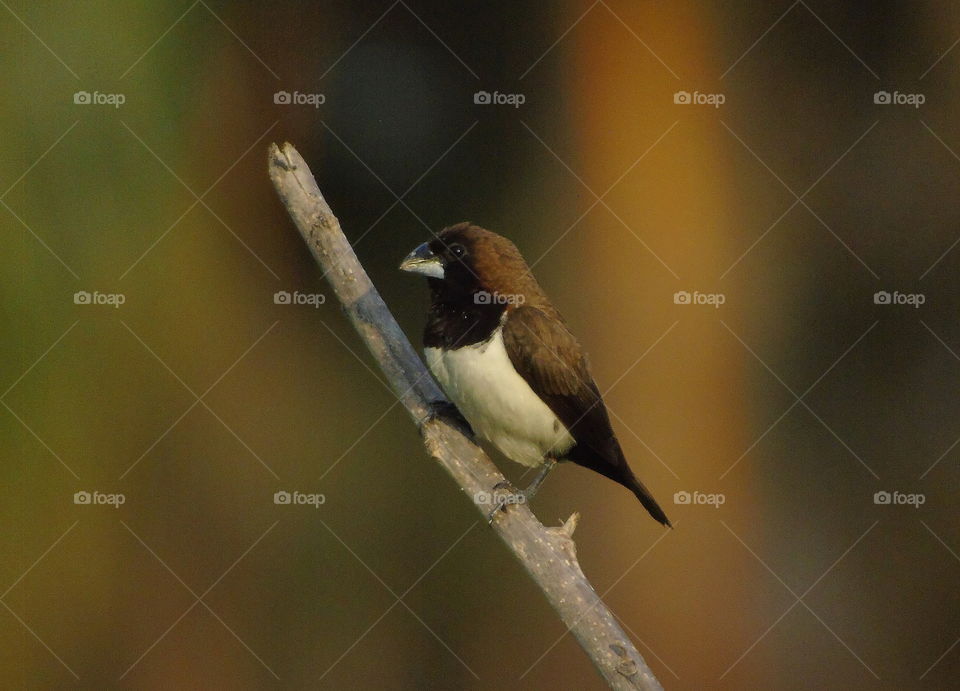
pixel 448 411
pixel 548 465
pixel 504 494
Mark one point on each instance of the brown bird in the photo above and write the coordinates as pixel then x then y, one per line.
pixel 505 357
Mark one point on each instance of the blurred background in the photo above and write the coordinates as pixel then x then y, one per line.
pixel 746 211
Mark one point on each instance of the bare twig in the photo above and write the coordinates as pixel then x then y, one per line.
pixel 548 554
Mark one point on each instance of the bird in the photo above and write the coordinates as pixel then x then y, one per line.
pixel 507 360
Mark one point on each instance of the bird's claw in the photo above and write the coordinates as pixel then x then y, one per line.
pixel 501 506
pixel 507 494
pixel 448 411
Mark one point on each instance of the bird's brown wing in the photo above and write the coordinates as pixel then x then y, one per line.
pixel 551 361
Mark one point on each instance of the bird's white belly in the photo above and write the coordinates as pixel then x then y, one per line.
pixel 497 402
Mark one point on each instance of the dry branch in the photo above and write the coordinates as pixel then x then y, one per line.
pixel 548 554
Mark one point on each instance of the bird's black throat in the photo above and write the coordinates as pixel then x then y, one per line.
pixel 457 318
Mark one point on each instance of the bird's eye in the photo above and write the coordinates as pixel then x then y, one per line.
pixel 458 250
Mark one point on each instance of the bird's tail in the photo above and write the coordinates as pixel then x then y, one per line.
pixel 649 503
pixel 609 461
pixel 630 481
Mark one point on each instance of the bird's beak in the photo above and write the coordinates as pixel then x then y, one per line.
pixel 423 261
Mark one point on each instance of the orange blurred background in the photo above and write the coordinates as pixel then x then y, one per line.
pixel 739 154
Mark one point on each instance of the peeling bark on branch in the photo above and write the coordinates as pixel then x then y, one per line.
pixel 548 554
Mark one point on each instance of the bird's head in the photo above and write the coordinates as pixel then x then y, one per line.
pixel 466 259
